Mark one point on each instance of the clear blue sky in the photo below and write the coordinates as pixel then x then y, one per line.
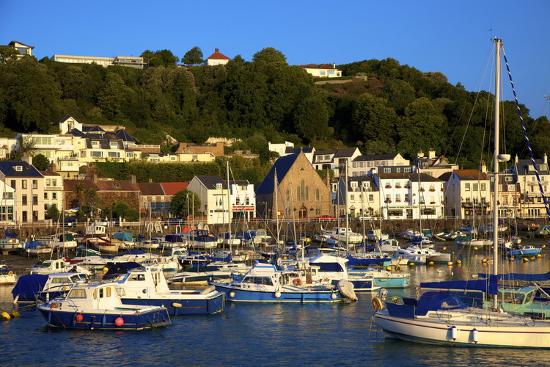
pixel 448 36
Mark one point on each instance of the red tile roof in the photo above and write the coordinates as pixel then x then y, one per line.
pixel 471 174
pixel 217 55
pixel 172 188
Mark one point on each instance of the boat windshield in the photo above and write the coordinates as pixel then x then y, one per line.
pixel 45 264
pixel 513 297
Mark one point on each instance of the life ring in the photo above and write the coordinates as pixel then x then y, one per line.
pixel 297 281
pixel 377 304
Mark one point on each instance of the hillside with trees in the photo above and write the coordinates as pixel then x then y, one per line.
pixel 389 107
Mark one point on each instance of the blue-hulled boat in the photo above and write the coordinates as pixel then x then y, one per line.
pixel 98 306
pixel 201 238
pixel 43 287
pixel 264 283
pixel 147 286
pixel 368 259
pixel 381 278
pixel 524 251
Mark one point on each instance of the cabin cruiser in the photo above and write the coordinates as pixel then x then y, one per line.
pixel 382 278
pixel 9 244
pixel 265 283
pixel 343 234
pixel 33 287
pixel 99 306
pixel 56 266
pixel 148 286
pixel 419 255
pixel 63 241
pixel 332 269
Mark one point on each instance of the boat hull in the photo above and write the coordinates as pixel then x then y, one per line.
pixel 235 294
pixel 105 321
pixel 363 285
pixel 415 329
pixel 181 307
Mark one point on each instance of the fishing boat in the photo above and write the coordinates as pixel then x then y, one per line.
pixel 56 266
pixel 99 306
pixel 443 318
pixel 381 278
pixel 343 234
pixel 264 283
pixel 524 250
pixel 43 287
pixel 7 276
pixel 148 286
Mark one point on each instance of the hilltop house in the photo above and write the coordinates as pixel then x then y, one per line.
pixel 323 70
pixel 217 58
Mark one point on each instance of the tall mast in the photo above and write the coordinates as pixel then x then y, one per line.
pixel 419 202
pixel 229 208
pixel 498 44
pixel 346 198
pixel 276 197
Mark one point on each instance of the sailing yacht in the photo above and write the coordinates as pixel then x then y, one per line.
pixel 442 318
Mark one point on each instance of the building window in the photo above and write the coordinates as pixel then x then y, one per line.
pixel 54 182
pixel 483 186
pixel 371 198
pixel 13 184
pixel 24 216
pixel 467 187
pixel 24 184
pixel 34 184
pixel 24 199
pixel 45 196
pixel 54 195
pixel 35 200
pixel 96 154
pixel 34 216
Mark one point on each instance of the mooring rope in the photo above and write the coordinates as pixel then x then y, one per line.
pixel 526 136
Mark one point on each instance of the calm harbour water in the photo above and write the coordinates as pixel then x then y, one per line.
pixel 257 334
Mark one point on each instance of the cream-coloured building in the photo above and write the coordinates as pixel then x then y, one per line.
pixel 53 190
pixel 217 58
pixel 7 203
pixel 28 183
pixel 323 70
pixel 21 48
pixel 181 158
pixel 363 198
pixel 8 146
pixel 467 194
pixel 128 61
pixel 371 163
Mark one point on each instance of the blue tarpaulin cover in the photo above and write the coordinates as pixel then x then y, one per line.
pixel 484 285
pixel 29 285
pixel 521 277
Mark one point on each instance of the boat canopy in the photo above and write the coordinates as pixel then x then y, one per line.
pixel 521 277
pixel 123 236
pixel 483 285
pixel 29 285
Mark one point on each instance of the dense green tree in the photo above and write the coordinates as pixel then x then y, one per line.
pixel 311 118
pixel 41 162
pixel 7 54
pixel 122 210
pixel 184 202
pixel 269 55
pixel 52 213
pixel 159 58
pixel 193 56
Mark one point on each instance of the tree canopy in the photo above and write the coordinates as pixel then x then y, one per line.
pixel 184 202
pixel 388 107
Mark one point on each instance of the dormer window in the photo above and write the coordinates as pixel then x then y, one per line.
pixel 95 143
pixel 218 186
pixel 19 168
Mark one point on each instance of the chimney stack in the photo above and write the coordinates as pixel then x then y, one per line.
pixel 133 179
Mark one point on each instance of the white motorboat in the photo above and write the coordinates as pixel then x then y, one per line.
pixel 7 276
pixel 57 266
pixel 343 234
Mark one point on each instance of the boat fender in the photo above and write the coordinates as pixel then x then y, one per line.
pixel 333 296
pixel 278 294
pixel 475 336
pixel 5 316
pixel 232 294
pixel 297 282
pixel 177 305
pixel 377 304
pixel 453 331
pixel 119 321
pixel 79 317
pixel 105 270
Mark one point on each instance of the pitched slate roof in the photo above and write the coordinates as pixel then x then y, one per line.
pixel 345 152
pixel 282 165
pixel 150 188
pixel 375 157
pixel 172 188
pixel 291 150
pixel 424 177
pixel 524 166
pixel 27 170
pixel 123 135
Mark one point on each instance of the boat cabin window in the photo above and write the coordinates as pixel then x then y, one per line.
pixel 75 278
pixel 513 297
pixel 77 294
pixel 60 280
pixel 137 277
pixel 258 280
pixel 329 267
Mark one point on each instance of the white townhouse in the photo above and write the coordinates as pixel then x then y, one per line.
pixel 7 203
pixel 467 194
pixel 216 199
pixel 362 197
pixel 410 196
pixel 335 160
